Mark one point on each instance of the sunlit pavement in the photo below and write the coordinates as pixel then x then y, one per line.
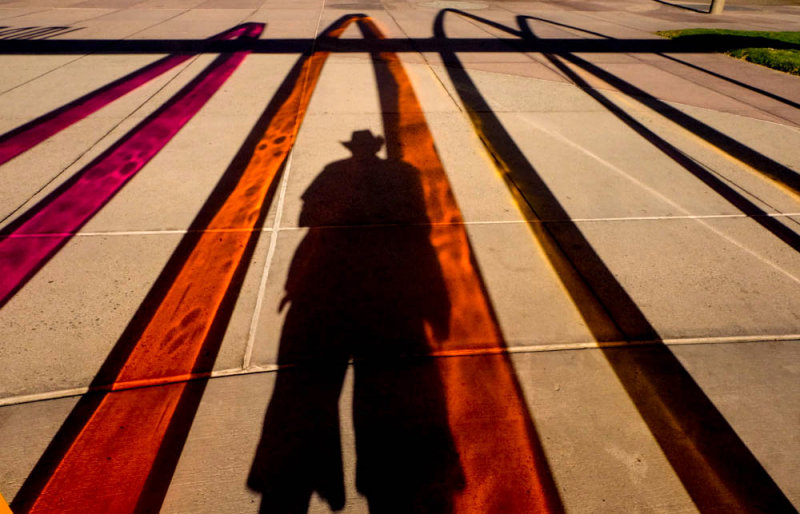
pixel 508 256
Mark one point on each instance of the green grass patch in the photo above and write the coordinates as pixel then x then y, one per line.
pixel 776 50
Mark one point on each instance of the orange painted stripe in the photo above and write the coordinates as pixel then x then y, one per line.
pixel 108 463
pixel 172 340
pixel 4 508
pixel 502 460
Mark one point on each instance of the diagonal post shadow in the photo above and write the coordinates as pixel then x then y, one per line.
pixel 739 83
pixel 776 171
pixel 712 180
pixel 715 466
pixel 566 48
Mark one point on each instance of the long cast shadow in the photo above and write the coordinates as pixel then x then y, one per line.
pixel 713 463
pixel 299 45
pixel 739 83
pixel 512 473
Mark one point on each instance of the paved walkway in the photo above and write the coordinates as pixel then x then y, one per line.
pixel 500 256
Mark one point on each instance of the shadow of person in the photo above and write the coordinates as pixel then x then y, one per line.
pixel 364 284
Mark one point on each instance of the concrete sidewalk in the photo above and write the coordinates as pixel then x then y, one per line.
pixel 604 269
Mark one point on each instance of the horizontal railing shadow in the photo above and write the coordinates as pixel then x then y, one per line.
pixel 398 45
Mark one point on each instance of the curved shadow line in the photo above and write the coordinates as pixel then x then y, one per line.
pixel 713 463
pixel 540 203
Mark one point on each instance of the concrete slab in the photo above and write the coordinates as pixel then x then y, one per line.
pixel 39 97
pixel 56 305
pixel 614 173
pixel 598 463
pixel 10 13
pixel 509 93
pixel 28 429
pixel 287 21
pixel 195 160
pixel 607 174
pixel 88 324
pixel 688 287
pixel 75 16
pixel 48 164
pixel 764 396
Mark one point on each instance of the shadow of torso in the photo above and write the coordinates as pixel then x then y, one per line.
pixel 364 284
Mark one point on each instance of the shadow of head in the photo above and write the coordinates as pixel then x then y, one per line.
pixel 363 144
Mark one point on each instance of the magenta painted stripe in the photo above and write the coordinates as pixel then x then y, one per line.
pixel 67 209
pixel 31 134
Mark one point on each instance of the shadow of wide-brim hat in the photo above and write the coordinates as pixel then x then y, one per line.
pixel 364 139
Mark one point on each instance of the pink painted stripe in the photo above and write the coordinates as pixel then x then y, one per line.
pixel 32 133
pixel 61 214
